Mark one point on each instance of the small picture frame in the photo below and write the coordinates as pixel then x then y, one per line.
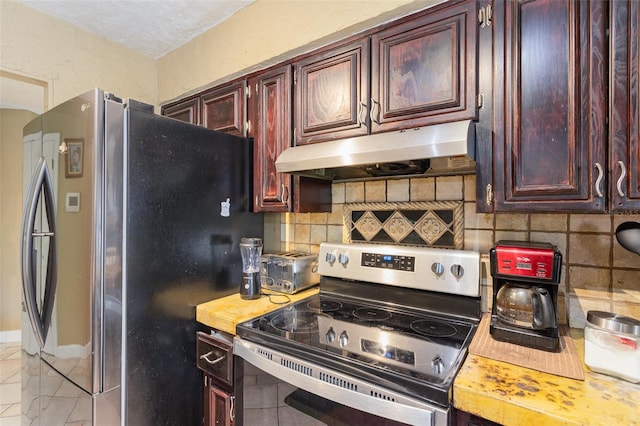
pixel 74 158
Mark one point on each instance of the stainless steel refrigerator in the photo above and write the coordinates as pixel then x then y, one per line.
pixel 131 219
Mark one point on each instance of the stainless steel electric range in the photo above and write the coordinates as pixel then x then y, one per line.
pixel 380 344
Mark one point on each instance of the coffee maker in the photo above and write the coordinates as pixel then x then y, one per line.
pixel 525 294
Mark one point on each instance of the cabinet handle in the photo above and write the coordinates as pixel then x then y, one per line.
pixel 623 174
pixel 598 186
pixel 372 113
pixel 232 409
pixel 215 361
pixel 285 194
pixel 489 194
pixel 362 113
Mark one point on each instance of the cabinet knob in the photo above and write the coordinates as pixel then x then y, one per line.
pixel 598 185
pixel 362 113
pixel 623 174
pixel 372 114
pixel 488 195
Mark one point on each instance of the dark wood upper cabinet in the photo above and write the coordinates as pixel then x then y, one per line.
pixel 424 70
pixel 332 93
pixel 270 115
pixel 550 113
pixel 187 110
pixel 224 108
pixel 624 150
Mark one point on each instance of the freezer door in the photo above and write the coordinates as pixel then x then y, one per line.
pixel 76 164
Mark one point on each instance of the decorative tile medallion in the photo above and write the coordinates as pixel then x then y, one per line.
pixel 429 223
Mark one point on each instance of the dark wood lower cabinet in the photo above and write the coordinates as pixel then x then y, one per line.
pixel 219 409
pixel 462 418
pixel 215 360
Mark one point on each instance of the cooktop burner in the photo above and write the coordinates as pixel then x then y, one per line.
pixel 296 321
pixel 371 314
pixel 324 305
pixel 434 328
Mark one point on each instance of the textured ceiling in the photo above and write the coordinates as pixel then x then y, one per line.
pixel 152 27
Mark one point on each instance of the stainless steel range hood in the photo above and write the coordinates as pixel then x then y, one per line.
pixel 385 154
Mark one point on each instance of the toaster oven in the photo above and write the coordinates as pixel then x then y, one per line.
pixel 288 272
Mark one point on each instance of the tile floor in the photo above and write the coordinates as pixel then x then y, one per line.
pixel 10 384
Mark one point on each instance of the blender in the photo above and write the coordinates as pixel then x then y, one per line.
pixel 251 250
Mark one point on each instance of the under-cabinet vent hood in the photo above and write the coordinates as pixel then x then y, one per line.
pixel 438 149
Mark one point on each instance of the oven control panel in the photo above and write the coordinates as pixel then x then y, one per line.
pixel 388 261
pixel 424 268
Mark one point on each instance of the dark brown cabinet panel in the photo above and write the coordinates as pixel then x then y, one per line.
pixel 224 108
pixel 218 405
pixel 550 107
pixel 215 359
pixel 424 71
pixel 332 92
pixel 270 113
pixel 462 418
pixel 624 157
pixel 187 110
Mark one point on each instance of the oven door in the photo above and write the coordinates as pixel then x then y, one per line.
pixel 275 388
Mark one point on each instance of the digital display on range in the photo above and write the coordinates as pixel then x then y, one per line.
pixel 388 261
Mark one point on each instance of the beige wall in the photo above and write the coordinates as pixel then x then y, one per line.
pixel 69 59
pixel 597 273
pixel 267 32
pixel 11 123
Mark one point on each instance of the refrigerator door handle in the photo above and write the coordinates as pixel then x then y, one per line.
pixel 40 183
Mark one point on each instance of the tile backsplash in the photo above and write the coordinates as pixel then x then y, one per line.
pixel 597 273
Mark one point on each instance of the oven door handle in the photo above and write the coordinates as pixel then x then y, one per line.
pixel 337 387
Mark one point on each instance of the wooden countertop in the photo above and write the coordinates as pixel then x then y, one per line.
pixel 512 395
pixel 225 313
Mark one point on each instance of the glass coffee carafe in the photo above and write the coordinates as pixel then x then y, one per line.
pixel 251 250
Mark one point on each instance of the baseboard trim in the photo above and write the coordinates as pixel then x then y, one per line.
pixel 10 336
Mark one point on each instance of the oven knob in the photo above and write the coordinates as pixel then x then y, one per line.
pixel 437 268
pixel 343 259
pixel 438 365
pixel 330 258
pixel 343 339
pixel 331 335
pixel 457 270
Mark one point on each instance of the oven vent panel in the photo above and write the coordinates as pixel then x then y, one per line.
pixel 381 395
pixel 268 355
pixel 328 378
pixel 292 365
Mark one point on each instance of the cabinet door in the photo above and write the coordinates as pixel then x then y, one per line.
pixel 218 405
pixel 332 92
pixel 270 110
pixel 224 108
pixel 625 110
pixel 424 71
pixel 187 110
pixel 550 116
